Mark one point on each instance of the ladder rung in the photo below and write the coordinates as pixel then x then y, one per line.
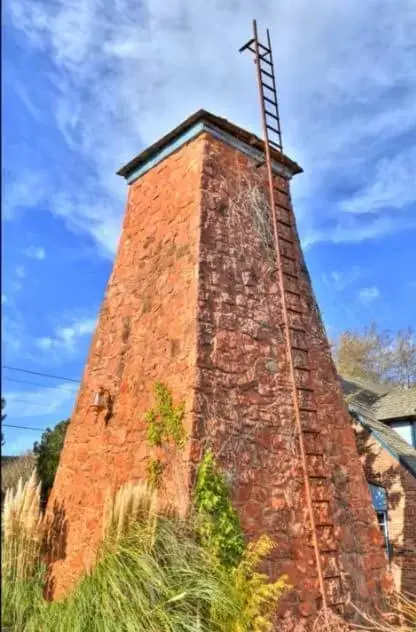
pixel 302 368
pixel 287 241
pixel 288 258
pixel 264 47
pixel 246 45
pixel 270 101
pixel 289 274
pixel 292 292
pixel 296 348
pixel 273 129
pixel 262 57
pixel 276 145
pixel 279 190
pixel 268 74
pixel 294 310
pixel 300 330
pixel 271 114
pixel 305 388
pixel 304 409
pixel 282 221
pixel 271 88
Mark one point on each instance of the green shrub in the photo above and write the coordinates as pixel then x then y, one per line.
pixel 48 452
pixel 218 523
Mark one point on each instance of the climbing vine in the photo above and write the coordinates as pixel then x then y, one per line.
pixel 155 469
pixel 165 420
pixel 218 523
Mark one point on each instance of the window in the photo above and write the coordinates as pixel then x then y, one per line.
pixel 379 499
pixel 406 429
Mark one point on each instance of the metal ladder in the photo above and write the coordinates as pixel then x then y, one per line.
pixel 289 270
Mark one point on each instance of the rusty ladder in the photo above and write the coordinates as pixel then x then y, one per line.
pixel 294 325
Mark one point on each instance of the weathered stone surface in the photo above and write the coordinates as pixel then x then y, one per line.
pixel 193 300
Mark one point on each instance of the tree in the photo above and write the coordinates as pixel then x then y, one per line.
pixel 3 417
pixel 377 355
pixel 48 452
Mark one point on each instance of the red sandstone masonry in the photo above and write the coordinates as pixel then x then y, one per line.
pixel 146 331
pixel 193 301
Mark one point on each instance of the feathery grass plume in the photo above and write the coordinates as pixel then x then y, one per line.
pixel 22 538
pixel 23 529
pixel 401 618
pixel 151 573
pixel 157 579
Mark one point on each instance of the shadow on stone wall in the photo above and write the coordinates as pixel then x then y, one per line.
pixel 402 554
pixel 55 543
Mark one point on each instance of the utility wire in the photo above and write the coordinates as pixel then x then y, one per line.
pixel 63 388
pixel 17 400
pixel 54 377
pixel 25 427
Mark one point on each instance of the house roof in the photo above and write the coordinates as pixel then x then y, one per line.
pixel 389 439
pixel 202 116
pixel 366 406
pixel 398 403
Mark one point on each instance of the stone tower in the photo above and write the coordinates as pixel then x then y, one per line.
pixel 193 300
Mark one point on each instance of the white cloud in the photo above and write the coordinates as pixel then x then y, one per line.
pixel 340 280
pixel 368 294
pixel 392 186
pixel 20 272
pixel 39 402
pixel 355 230
pixel 35 252
pixel 135 70
pixel 65 338
pixel 24 192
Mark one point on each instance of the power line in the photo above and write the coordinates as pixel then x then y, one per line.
pixel 63 388
pixel 32 402
pixel 54 377
pixel 25 427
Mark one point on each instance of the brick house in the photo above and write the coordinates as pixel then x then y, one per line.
pixel 385 426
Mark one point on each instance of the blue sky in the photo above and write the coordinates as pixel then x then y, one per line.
pixel 87 84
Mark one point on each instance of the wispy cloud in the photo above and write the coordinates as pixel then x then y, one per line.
pixel 39 402
pixel 35 252
pixel 339 281
pixel 20 272
pixel 66 338
pixel 137 69
pixel 368 294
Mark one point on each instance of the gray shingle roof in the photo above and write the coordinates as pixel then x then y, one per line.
pixel 398 403
pixel 367 406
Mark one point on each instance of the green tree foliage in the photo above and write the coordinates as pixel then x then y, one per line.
pixel 218 523
pixel 377 355
pixel 48 452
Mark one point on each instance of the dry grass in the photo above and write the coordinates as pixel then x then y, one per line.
pixel 22 539
pixel 22 529
pixel 401 618
pixel 13 471
pixel 328 621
